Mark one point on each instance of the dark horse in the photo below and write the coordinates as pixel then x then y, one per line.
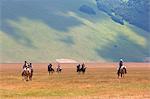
pixel 82 69
pixel 122 71
pixel 27 73
pixel 50 70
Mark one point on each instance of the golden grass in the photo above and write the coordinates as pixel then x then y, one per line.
pixel 100 81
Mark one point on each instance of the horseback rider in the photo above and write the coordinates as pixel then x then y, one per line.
pixel 83 66
pixel 49 67
pixel 25 64
pixel 121 66
pixel 30 66
pixel 78 67
pixel 27 71
pixel 58 67
pixel 25 67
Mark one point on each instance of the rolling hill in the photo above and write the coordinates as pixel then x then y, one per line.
pixel 45 30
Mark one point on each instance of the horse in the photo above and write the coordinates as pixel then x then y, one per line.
pixel 122 71
pixel 59 70
pixel 50 70
pixel 27 73
pixel 81 70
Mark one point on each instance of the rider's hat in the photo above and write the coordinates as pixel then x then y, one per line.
pixel 121 59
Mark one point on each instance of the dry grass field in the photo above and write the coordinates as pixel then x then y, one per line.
pixel 99 81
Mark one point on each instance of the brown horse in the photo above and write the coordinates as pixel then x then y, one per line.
pixel 27 74
pixel 122 71
pixel 59 70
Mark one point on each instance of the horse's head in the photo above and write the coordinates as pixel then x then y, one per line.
pixel 28 70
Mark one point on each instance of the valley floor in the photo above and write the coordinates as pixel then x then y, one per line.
pixel 99 81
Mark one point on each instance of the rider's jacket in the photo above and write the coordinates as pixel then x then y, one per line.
pixel 120 64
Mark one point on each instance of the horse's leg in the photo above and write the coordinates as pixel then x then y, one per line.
pixel 121 75
pixel 30 77
pixel 79 72
pixel 59 70
pixel 22 73
pixel 82 72
pixel 52 71
pixel 118 74
pixel 26 77
pixel 125 70
pixel 23 77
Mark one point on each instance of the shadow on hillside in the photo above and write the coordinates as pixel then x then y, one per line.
pixel 68 40
pixel 45 11
pixel 17 36
pixel 87 9
pixel 123 48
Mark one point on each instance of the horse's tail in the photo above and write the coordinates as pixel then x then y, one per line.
pixel 77 70
pixel 125 70
pixel 31 72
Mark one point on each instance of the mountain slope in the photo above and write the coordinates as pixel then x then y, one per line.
pixel 42 31
pixel 135 12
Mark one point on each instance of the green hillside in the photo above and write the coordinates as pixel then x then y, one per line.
pixel 51 30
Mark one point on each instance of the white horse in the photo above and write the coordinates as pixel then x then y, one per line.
pixel 121 71
pixel 27 73
pixel 59 69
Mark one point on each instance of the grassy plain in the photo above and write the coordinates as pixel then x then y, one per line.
pixel 100 81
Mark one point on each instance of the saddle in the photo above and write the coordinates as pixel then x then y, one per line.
pixel 122 67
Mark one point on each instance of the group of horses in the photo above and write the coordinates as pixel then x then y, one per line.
pixel 81 69
pixel 27 72
pixel 51 70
